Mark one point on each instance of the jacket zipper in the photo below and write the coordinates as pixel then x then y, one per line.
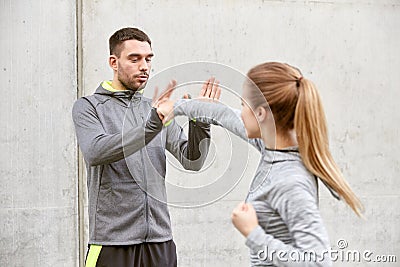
pixel 146 204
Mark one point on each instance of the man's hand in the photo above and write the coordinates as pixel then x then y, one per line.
pixel 244 218
pixel 210 91
pixel 164 96
pixel 165 110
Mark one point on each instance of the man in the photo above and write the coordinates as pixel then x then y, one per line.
pixel 123 141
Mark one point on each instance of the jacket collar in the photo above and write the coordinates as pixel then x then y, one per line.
pixel 279 155
pixel 106 88
pixel 123 97
pixel 290 154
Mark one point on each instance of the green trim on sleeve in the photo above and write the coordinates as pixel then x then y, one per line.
pixel 93 255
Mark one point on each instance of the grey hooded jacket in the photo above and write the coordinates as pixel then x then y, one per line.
pixel 283 192
pixel 123 142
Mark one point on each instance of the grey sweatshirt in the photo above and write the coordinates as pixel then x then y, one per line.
pixel 283 192
pixel 123 143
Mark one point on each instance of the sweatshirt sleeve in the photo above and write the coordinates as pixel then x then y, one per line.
pixel 217 114
pixel 99 147
pixel 191 152
pixel 297 206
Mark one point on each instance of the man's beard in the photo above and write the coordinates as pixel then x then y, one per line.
pixel 129 83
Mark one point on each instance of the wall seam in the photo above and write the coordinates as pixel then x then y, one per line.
pixel 80 163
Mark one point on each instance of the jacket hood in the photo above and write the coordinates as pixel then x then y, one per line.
pixel 102 90
pixel 124 96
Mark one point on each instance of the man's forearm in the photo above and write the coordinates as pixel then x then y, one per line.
pixel 198 143
pixel 101 148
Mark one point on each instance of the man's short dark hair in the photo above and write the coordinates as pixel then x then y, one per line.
pixel 119 37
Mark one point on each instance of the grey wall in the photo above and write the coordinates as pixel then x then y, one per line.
pixel 38 204
pixel 350 49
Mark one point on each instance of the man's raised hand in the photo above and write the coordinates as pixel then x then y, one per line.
pixel 165 95
pixel 210 90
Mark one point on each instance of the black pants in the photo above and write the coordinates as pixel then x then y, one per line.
pixel 141 255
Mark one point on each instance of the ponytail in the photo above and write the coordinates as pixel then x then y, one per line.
pixel 312 137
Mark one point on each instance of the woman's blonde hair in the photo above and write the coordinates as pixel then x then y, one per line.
pixel 295 104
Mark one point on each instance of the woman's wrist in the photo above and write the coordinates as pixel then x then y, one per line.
pixel 249 229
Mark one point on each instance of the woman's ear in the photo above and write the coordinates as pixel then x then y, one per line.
pixel 262 114
pixel 113 62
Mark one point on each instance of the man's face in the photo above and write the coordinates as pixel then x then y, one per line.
pixel 134 64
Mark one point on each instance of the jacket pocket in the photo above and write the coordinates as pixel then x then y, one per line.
pixel 120 212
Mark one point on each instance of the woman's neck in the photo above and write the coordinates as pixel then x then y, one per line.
pixel 281 141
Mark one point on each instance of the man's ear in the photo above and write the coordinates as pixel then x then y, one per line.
pixel 113 62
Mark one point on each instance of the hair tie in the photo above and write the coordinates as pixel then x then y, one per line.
pixel 298 81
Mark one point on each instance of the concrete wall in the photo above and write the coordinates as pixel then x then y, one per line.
pixel 348 48
pixel 38 204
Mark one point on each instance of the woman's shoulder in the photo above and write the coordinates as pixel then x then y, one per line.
pixel 292 177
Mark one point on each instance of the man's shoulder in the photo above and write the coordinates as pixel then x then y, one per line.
pixel 92 99
pixel 85 101
pixel 82 105
pixel 147 100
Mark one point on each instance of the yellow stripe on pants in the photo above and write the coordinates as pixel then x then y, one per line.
pixel 94 252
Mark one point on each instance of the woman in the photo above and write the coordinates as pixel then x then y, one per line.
pixel 280 219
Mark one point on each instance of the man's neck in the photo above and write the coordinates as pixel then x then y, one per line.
pixel 117 85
